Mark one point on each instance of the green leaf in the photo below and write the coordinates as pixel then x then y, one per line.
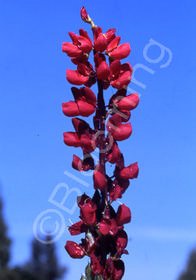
pixel 88 272
pixel 82 278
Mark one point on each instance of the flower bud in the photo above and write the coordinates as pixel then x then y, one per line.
pixel 74 250
pixel 84 15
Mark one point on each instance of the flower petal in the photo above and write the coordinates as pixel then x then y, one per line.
pixel 123 215
pixel 122 81
pixel 100 181
pixel 114 154
pixel 100 43
pixel 74 250
pixel 70 109
pixel 103 71
pixel 70 49
pixel 129 102
pixel 121 51
pixel 77 228
pixel 71 139
pixel 113 44
pixel 75 78
pixel 110 35
pixel 129 172
pixel 85 109
pixel 122 132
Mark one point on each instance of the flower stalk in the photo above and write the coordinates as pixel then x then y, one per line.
pixel 105 238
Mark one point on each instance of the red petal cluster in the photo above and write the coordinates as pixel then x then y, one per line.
pixel 81 44
pixel 83 137
pixel 84 105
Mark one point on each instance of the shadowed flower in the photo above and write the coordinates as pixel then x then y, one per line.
pixel 83 165
pixel 77 228
pixel 88 212
pixel 83 137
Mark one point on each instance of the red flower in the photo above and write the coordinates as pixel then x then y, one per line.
pixel 121 51
pixel 118 130
pixel 118 188
pixel 123 215
pixel 81 200
pixel 71 139
pixel 103 71
pixel 114 154
pixel 129 172
pixel 71 50
pixel 110 35
pixel 82 44
pixel 83 165
pixel 74 250
pixel 121 239
pixel 113 44
pixel 98 59
pixel 120 75
pixel 83 75
pixel 83 137
pixel 119 269
pixel 116 51
pixel 75 78
pixel 96 266
pixel 84 14
pixel 100 41
pixel 99 179
pixel 77 228
pixel 108 226
pixel 84 105
pixel 129 102
pixel 109 269
pixel 88 212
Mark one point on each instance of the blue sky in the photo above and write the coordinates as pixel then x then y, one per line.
pixel 34 160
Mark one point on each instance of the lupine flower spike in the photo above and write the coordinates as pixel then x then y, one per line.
pixel 105 239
